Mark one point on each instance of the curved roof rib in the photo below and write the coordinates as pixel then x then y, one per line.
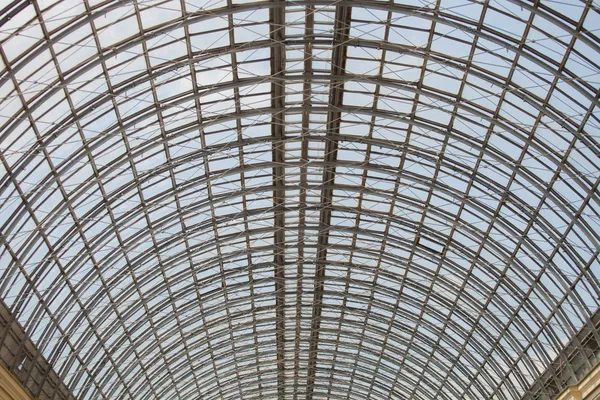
pixel 299 199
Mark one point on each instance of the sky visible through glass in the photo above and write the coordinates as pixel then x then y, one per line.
pixel 304 199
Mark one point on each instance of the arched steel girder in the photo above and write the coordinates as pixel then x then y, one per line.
pixel 179 258
pixel 90 293
pixel 426 275
pixel 366 387
pixel 457 197
pixel 423 352
pixel 527 99
pixel 87 305
pixel 267 321
pixel 382 144
pixel 190 185
pixel 131 121
pixel 480 350
pixel 171 218
pixel 467 109
pixel 146 148
pixel 242 349
pixel 174 65
pixel 364 381
pixel 493 36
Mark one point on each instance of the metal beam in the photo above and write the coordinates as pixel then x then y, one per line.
pixel 277 34
pixel 336 92
pixel 428 223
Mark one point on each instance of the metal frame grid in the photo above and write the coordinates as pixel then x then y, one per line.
pixel 301 199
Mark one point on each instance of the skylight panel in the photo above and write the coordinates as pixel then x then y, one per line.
pixel 452 40
pixel 16 42
pixel 366 29
pixel 158 12
pixel 508 19
pixel 392 192
pixel 443 77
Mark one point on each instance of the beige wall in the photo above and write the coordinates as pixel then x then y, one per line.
pixel 587 389
pixel 10 389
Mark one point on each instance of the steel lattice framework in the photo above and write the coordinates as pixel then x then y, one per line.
pixel 299 199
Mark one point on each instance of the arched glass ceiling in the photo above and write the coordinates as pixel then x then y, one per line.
pixel 302 199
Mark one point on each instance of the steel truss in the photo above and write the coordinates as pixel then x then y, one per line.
pixel 307 199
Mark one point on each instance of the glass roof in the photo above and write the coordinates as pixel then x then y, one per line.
pixel 301 199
